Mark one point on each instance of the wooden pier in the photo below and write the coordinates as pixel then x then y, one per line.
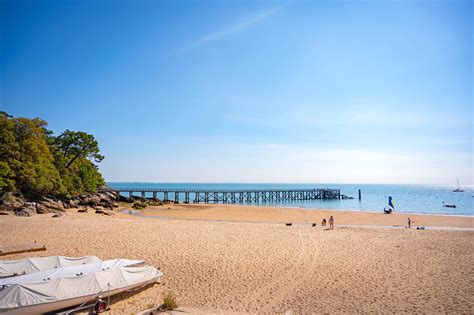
pixel 230 196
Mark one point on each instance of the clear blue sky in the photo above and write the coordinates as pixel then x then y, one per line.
pixel 230 91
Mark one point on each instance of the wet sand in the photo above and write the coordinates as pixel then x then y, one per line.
pixel 242 213
pixel 238 267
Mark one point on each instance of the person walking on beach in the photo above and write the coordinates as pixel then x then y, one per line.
pixel 324 222
pixel 331 223
pixel 409 223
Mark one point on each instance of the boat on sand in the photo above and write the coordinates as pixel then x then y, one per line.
pixel 69 271
pixel 10 268
pixel 67 292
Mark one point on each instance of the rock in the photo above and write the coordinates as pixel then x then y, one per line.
pixel 11 203
pixel 104 199
pixel 4 212
pixel 28 210
pixel 89 200
pixel 59 214
pixel 48 205
pixel 99 211
pixel 83 210
pixel 108 213
pixel 73 203
pixel 112 195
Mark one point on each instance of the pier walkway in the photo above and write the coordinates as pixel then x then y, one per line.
pixel 231 196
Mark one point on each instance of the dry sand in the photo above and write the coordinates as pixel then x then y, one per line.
pixel 236 267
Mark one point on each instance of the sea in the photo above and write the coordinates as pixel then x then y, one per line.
pixel 421 199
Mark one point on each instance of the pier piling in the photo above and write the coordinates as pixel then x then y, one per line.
pixel 235 196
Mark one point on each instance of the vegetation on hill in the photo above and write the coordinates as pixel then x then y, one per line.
pixel 34 162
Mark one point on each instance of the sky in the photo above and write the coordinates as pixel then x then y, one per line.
pixel 250 91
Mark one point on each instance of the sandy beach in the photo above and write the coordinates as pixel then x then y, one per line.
pixel 245 213
pixel 216 260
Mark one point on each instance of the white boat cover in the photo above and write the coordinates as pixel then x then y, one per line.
pixel 18 296
pixel 69 271
pixel 28 265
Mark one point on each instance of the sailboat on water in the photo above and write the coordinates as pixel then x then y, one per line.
pixel 459 188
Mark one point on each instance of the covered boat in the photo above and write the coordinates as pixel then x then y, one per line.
pixel 69 271
pixel 10 268
pixel 66 292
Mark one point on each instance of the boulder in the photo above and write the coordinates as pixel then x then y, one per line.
pixel 11 203
pixel 28 210
pixel 4 212
pixel 83 210
pixel 123 198
pixel 59 214
pixel 73 203
pixel 89 200
pixel 48 205
pixel 70 203
pixel 112 195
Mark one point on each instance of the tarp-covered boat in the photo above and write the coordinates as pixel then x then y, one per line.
pixel 66 292
pixel 28 265
pixel 69 271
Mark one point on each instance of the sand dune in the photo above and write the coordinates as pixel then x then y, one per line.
pixel 228 267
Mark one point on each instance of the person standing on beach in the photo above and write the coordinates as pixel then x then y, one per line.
pixel 324 222
pixel 331 223
pixel 409 223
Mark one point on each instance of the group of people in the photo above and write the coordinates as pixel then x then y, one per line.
pixel 331 222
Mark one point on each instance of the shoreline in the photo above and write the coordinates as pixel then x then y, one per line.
pixel 265 214
pixel 137 213
pixel 372 211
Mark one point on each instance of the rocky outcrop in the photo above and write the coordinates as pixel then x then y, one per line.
pixel 10 202
pixel 48 205
pixel 27 209
pixel 104 199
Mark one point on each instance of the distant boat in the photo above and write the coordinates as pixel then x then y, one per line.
pixel 459 188
pixel 449 206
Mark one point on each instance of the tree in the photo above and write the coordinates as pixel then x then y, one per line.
pixel 35 163
pixel 76 144
pixel 29 166
pixel 6 183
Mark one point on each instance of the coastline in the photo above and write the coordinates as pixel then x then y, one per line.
pixel 265 214
pixel 368 211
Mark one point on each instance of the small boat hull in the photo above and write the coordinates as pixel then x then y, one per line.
pixel 69 292
pixel 70 303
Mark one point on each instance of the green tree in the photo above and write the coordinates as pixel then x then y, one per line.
pixel 29 162
pixel 76 144
pixel 33 162
pixel 6 182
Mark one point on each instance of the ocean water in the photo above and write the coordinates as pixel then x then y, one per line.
pixel 426 199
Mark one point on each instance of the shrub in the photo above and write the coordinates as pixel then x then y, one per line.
pixel 139 205
pixel 169 302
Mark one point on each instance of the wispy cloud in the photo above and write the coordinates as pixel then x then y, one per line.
pixel 243 24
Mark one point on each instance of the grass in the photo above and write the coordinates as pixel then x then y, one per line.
pixel 139 205
pixel 169 302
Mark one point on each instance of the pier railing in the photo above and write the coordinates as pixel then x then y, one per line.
pixel 231 196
